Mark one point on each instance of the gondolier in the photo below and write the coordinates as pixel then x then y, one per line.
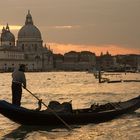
pixel 18 79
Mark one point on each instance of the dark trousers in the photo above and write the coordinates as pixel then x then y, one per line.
pixel 16 93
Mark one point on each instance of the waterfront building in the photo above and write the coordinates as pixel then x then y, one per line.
pixel 28 49
pixel 105 61
pixel 130 62
pixel 75 61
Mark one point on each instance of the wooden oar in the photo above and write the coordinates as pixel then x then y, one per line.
pixel 69 128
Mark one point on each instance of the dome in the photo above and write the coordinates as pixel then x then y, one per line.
pixel 6 35
pixel 29 30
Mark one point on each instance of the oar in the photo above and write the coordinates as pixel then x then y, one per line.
pixel 69 128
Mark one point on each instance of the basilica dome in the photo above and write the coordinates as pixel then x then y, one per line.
pixel 6 35
pixel 29 30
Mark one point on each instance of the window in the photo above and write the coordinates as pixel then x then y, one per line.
pixel 35 47
pixel 22 47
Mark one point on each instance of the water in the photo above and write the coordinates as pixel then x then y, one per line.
pixel 83 89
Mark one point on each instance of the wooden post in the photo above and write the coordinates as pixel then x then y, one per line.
pixel 99 75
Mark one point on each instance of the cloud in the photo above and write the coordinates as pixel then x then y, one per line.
pixel 64 26
pixel 80 22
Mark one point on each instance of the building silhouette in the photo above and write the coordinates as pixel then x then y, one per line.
pixel 28 49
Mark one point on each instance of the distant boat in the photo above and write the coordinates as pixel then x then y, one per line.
pixel 93 114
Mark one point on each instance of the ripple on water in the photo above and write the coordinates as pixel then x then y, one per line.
pixel 83 89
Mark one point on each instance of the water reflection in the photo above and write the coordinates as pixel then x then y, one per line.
pixel 83 89
pixel 24 131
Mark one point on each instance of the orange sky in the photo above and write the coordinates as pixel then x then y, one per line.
pixel 112 49
pixel 12 27
pixel 97 49
pixel 110 25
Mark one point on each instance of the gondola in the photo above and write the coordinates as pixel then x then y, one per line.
pixel 94 114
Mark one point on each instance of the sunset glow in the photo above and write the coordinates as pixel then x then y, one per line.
pixel 96 26
pixel 12 27
pixel 112 49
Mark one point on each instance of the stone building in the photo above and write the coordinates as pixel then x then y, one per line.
pixel 130 62
pixel 28 49
pixel 75 61
pixel 105 61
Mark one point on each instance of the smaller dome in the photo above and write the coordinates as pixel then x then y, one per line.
pixel 6 35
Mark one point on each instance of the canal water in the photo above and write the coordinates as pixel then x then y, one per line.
pixel 83 89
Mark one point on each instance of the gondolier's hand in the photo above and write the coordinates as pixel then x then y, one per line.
pixel 24 86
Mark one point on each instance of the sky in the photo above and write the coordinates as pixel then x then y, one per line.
pixel 78 25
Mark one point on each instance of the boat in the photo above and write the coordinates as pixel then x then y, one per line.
pixel 94 114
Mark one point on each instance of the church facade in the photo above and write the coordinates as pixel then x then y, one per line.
pixel 28 49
